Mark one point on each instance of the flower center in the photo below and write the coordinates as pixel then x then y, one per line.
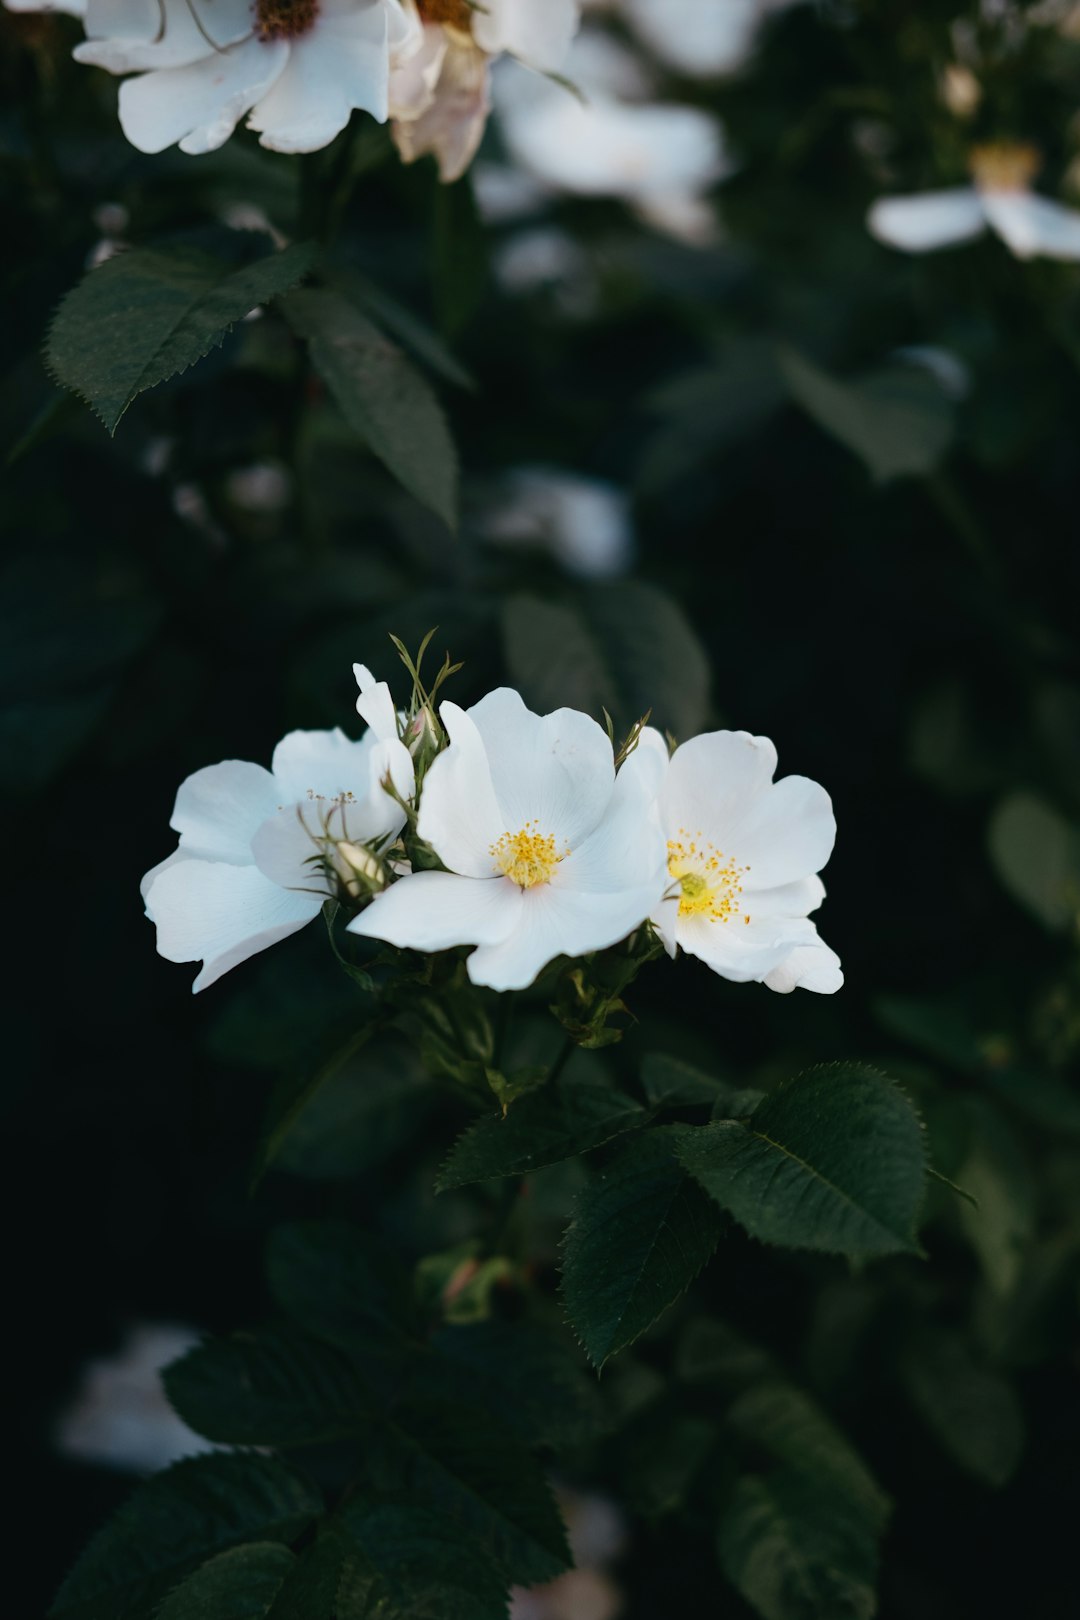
pixel 453 13
pixel 1004 165
pixel 709 885
pixel 284 19
pixel 527 857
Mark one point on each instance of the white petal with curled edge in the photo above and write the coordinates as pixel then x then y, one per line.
pixel 451 124
pixel 413 80
pixel 796 899
pixel 1033 227
pixel 431 911
pixel 557 769
pixel 199 106
pixel 459 815
pixel 744 952
pixel 219 809
pixel 135 36
pixel 537 31
pixel 696 37
pixel 712 781
pixel 220 915
pixel 611 150
pixel 343 63
pixel 787 833
pixel 147 881
pixel 308 765
pixel 74 8
pixel 375 704
pixel 285 850
pixel 556 922
pixel 809 967
pixel 927 220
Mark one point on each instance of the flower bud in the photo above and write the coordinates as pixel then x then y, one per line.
pixel 362 874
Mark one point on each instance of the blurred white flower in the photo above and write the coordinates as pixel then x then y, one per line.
pixel 440 96
pixel 549 853
pixel 296 68
pixel 258 849
pixel 1001 198
pixel 660 158
pixel 597 1533
pixel 74 8
pixel 743 852
pixel 584 522
pixel 702 39
pixel 546 257
pixel 120 1416
pixel 265 487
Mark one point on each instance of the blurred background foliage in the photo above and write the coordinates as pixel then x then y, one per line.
pixel 851 477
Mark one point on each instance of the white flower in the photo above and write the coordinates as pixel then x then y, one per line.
pixel 1001 198
pixel 742 854
pixel 549 853
pixel 585 523
pixel 120 1416
pixel 297 68
pixel 74 8
pixel 440 97
pixel 701 38
pixel 658 157
pixel 598 1534
pixel 258 849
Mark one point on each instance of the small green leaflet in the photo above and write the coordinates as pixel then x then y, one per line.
pixel 833 1160
pixel 382 396
pixel 239 1584
pixel 407 1562
pixel 149 313
pixel 553 1123
pixel 642 1230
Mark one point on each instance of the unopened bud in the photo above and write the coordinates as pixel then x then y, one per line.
pixel 422 732
pixel 362 873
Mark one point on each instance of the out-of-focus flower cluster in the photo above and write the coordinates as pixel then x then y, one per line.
pixel 527 837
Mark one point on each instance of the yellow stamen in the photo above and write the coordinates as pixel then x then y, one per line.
pixel 284 19
pixel 527 857
pixel 1004 165
pixel 709 883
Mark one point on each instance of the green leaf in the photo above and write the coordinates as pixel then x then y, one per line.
pixel 660 1457
pixel 462 1464
pixel 556 1122
pixel 239 1584
pixel 296 1093
pixel 797 1552
pixel 833 1160
pixel 600 636
pixel 410 1564
pixel 973 1410
pixel 382 396
pixel 779 1419
pixel 641 1233
pixel 1037 856
pixel 268 1389
pixel 362 1114
pixel 670 1083
pixel 525 1375
pixel 404 324
pixel 997 1175
pixel 177 1520
pixel 149 313
pixel 896 420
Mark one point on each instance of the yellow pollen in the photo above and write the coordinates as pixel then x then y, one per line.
pixel 1004 165
pixel 451 13
pixel 709 883
pixel 527 857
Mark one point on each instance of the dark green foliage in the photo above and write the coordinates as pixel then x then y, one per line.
pixel 409 1564
pixel 832 1160
pixel 240 1584
pixel 555 1122
pixel 971 1409
pixel 641 1232
pixel 175 1521
pixel 148 314
pixel 897 420
pixel 382 396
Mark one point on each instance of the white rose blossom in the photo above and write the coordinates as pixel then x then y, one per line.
pixel 261 850
pixel 296 68
pixel 549 852
pixel 440 96
pixel 743 852
pixel 999 198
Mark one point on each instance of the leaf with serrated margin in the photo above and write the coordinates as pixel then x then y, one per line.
pixel 239 1584
pixel 382 396
pixel 459 1462
pixel 268 1389
pixel 174 1522
pixel 641 1232
pixel 556 1122
pixel 778 1418
pixel 797 1552
pixel 149 313
pixel 410 1564
pixel 832 1160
